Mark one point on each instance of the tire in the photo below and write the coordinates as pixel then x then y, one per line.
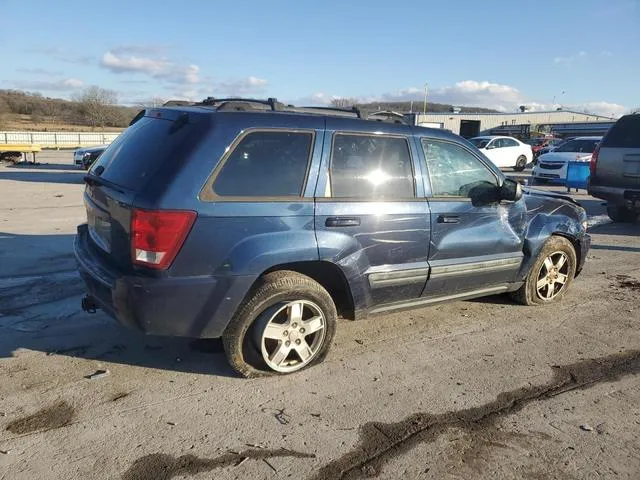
pixel 272 301
pixel 620 214
pixel 530 293
pixel 521 163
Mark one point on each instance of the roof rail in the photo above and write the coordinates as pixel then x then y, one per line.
pixel 220 103
pixel 176 103
pixel 347 111
pixel 242 104
pixel 389 117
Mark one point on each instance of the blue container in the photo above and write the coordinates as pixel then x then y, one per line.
pixel 577 174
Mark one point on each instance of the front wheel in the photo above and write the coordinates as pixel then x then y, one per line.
pixel 521 163
pixel 287 323
pixel 620 214
pixel 550 275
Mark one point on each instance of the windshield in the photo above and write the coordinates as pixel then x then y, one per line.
pixel 578 146
pixel 480 142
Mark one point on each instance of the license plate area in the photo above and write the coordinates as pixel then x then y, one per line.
pixel 99 227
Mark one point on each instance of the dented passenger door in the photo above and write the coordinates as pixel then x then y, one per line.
pixel 476 240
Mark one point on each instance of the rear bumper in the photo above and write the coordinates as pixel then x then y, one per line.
pixel 628 197
pixel 198 307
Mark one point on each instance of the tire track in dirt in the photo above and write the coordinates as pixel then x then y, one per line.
pixel 380 442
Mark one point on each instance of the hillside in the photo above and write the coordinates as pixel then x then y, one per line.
pixel 404 107
pixel 95 109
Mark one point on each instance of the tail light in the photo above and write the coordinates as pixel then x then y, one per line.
pixel 594 160
pixel 157 236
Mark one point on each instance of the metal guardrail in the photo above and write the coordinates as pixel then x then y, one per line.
pixel 59 139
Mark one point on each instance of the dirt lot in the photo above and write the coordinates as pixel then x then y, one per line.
pixel 478 389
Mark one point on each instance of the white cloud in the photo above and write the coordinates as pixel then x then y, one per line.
pixel 160 68
pixel 581 55
pixel 472 93
pixel 140 49
pixel 242 86
pixel 63 85
pixel 130 63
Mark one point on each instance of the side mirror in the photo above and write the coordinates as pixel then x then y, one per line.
pixel 510 190
pixel 490 147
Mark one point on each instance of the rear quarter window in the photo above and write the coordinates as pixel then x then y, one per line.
pixel 266 164
pixel 624 134
pixel 138 152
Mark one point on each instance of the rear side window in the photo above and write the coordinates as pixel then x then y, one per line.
pixel 138 152
pixel 266 164
pixel 371 167
pixel 624 134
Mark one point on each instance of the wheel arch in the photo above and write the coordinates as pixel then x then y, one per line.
pixel 327 274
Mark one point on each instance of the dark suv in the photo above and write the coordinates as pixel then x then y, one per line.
pixel 615 169
pixel 263 223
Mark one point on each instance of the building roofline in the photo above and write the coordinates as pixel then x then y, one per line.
pixel 516 113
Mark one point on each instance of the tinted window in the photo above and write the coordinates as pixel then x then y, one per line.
pixel 480 142
pixel 509 142
pixel 138 152
pixel 578 146
pixel 624 134
pixel 371 166
pixel 453 170
pixel 266 164
pixel 498 143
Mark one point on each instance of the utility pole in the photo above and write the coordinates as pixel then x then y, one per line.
pixel 424 109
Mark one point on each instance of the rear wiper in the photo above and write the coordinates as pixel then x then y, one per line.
pixel 91 179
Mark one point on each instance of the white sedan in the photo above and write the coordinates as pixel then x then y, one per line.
pixel 505 152
pixel 552 166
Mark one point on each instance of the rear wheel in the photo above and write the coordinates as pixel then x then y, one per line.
pixel 550 275
pixel 521 163
pixel 287 324
pixel 620 214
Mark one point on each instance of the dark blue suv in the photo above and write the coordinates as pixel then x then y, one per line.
pixel 262 223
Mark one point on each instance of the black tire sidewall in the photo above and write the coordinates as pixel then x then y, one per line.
pixel 554 244
pixel 242 353
pixel 518 167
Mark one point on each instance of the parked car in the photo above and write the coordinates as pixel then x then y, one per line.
pixel 555 143
pixel 84 157
pixel 264 226
pixel 552 166
pixel 615 169
pixel 540 143
pixel 505 152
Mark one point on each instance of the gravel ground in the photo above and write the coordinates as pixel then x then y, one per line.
pixel 477 389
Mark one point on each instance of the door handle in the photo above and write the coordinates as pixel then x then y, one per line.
pixel 342 222
pixel 448 219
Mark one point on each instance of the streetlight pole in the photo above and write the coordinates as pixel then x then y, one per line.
pixel 424 109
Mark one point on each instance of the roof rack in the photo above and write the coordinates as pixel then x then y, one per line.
pixel 345 111
pixel 388 116
pixel 239 103
pixel 244 104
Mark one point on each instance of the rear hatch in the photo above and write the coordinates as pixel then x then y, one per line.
pixel 126 176
pixel 618 163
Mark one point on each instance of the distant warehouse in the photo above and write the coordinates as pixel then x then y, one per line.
pixel 519 124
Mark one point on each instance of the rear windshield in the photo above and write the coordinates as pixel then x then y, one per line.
pixel 480 142
pixel 624 134
pixel 578 146
pixel 137 153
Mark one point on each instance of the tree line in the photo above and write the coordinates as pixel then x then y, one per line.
pixel 94 107
pixel 416 106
